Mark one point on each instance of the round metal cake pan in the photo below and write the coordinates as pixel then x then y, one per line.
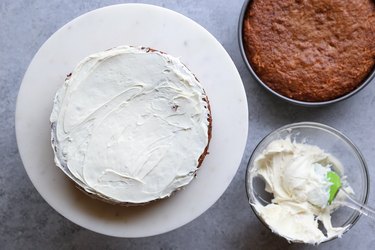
pixel 368 79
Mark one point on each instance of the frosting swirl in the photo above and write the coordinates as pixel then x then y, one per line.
pixel 130 124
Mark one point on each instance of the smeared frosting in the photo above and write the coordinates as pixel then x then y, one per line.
pixel 130 124
pixel 296 175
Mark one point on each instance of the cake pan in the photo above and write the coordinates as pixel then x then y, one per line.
pixel 368 79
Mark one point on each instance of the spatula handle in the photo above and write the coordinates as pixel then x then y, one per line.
pixel 352 203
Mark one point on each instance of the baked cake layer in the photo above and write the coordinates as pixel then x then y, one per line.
pixel 311 50
pixel 130 125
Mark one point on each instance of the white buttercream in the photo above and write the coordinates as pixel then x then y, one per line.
pixel 130 124
pixel 296 175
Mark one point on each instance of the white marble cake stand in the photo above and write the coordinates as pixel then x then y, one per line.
pixel 139 25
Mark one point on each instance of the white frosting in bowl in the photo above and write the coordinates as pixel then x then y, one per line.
pixel 296 175
pixel 130 125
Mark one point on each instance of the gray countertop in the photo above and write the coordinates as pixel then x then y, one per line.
pixel 28 222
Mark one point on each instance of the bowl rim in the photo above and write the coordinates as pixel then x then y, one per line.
pixel 356 214
pixel 365 82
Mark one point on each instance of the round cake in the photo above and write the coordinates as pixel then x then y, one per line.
pixel 311 50
pixel 130 125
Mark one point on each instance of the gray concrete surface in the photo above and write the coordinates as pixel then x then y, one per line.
pixel 28 222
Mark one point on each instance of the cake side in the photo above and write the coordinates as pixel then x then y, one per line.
pixel 311 50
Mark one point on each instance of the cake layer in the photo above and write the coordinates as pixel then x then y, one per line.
pixel 312 50
pixel 130 125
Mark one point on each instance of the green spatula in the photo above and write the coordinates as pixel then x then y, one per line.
pixel 336 186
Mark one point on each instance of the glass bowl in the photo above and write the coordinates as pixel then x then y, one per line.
pixel 331 141
pixel 364 83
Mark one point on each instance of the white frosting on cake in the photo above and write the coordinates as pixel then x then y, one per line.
pixel 130 124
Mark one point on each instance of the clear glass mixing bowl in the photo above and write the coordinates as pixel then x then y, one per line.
pixel 331 141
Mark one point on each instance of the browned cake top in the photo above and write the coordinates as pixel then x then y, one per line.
pixel 311 50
